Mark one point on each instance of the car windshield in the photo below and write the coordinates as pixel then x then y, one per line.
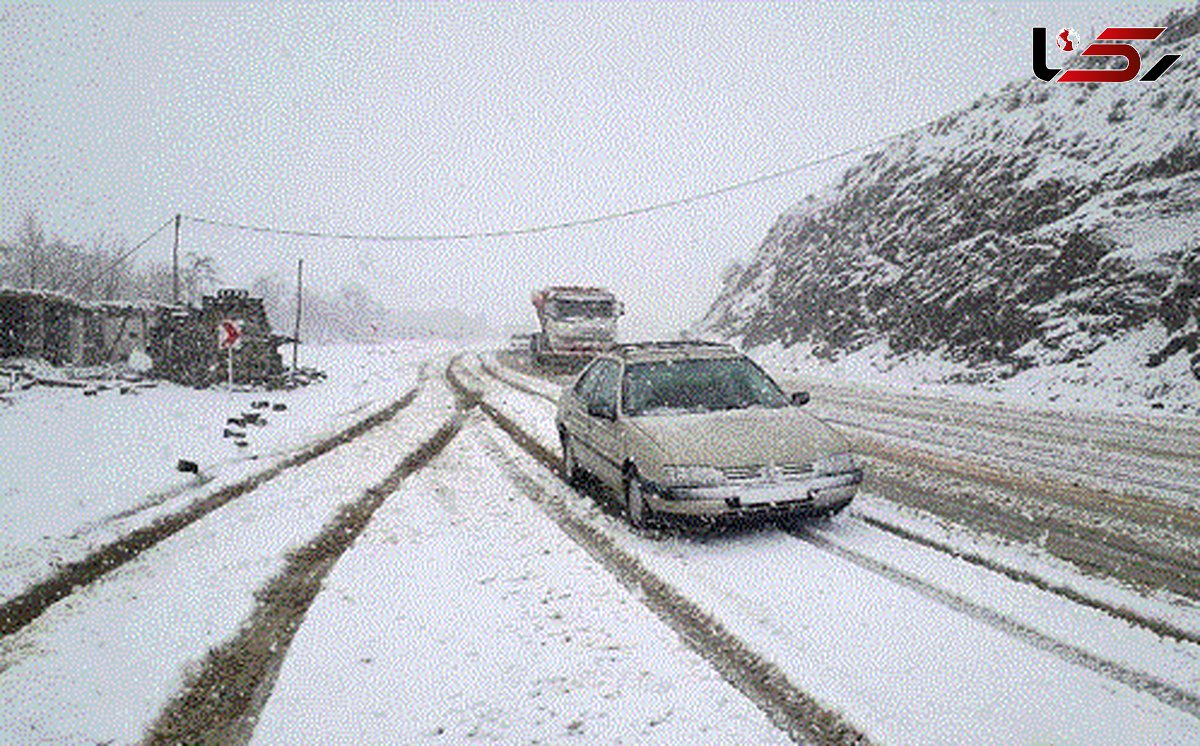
pixel 692 386
pixel 581 309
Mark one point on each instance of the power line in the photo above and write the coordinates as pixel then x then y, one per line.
pixel 578 223
pixel 128 253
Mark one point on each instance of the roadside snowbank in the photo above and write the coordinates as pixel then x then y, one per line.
pixel 1113 378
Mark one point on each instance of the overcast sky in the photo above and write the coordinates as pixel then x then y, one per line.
pixel 450 119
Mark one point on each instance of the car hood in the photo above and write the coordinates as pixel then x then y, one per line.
pixel 741 437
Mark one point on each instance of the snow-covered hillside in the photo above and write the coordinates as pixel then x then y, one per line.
pixel 1030 232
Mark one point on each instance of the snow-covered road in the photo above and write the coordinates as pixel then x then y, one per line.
pixel 1116 495
pixel 464 614
pixel 485 599
pixel 914 644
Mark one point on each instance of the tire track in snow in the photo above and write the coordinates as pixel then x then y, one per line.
pixel 798 713
pixel 1111 432
pixel 1169 694
pixel 221 702
pixel 1073 526
pixel 22 609
pixel 1157 626
pixel 1027 461
pixel 500 375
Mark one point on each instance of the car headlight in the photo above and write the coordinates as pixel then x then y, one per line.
pixel 693 476
pixel 838 463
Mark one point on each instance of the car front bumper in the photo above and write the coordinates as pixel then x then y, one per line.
pixel 813 494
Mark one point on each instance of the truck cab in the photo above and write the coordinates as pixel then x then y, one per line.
pixel 576 323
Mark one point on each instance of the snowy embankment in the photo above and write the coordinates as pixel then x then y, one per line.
pixel 1112 379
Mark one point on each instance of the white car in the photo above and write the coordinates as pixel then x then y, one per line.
pixel 698 429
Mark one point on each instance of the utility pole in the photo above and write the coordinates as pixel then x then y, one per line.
pixel 175 262
pixel 296 329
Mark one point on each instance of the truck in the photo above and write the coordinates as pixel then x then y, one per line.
pixel 576 323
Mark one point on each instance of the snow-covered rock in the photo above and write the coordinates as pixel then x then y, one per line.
pixel 1032 229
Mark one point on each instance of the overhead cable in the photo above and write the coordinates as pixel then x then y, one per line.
pixel 577 223
pixel 128 253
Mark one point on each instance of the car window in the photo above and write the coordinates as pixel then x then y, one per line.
pixel 581 309
pixel 587 382
pixel 605 393
pixel 689 386
pixel 597 386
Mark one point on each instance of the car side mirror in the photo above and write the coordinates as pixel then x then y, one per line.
pixel 599 410
pixel 800 398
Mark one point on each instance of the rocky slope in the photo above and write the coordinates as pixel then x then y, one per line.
pixel 1031 229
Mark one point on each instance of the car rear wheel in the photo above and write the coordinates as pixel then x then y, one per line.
pixel 641 514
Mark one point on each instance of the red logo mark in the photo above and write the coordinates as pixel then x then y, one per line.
pixel 1106 45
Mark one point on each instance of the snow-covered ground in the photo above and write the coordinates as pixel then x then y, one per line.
pixel 464 612
pixel 78 470
pixel 99 666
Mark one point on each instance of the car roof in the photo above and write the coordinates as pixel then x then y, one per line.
pixel 672 350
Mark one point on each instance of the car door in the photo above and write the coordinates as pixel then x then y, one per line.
pixel 575 418
pixel 604 423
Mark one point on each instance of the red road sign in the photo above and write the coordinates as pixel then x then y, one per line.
pixel 229 333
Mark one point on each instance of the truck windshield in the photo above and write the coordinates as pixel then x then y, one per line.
pixel 581 309
pixel 692 386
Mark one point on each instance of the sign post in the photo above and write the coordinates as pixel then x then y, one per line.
pixel 296 330
pixel 229 335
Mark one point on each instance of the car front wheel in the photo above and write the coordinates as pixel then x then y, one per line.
pixel 570 465
pixel 641 514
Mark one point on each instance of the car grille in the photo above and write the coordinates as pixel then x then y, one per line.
pixel 766 472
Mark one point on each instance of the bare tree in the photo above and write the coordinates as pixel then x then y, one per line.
pixel 31 260
pixel 197 276
pixel 100 271
pixel 110 272
pixel 29 250
pixel 8 253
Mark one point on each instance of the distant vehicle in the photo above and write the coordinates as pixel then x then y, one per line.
pixel 576 323
pixel 698 429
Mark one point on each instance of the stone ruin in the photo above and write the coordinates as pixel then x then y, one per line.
pixel 184 346
pixel 85 339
